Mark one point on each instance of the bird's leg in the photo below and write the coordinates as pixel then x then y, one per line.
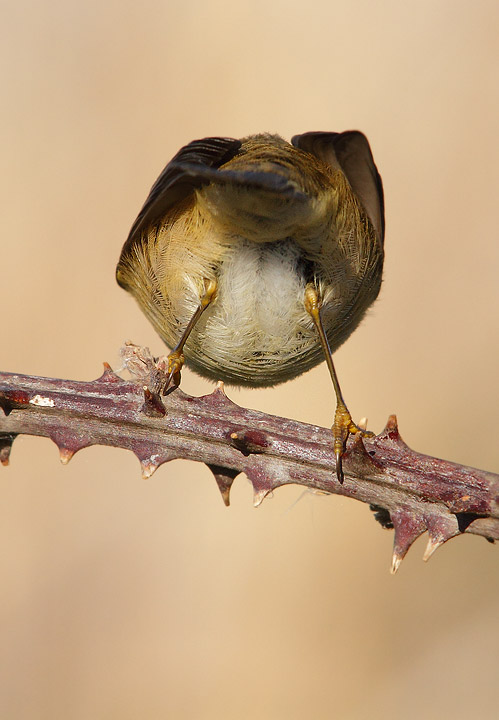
pixel 343 425
pixel 175 360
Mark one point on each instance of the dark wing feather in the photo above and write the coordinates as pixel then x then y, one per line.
pixel 351 152
pixel 180 177
pixel 272 182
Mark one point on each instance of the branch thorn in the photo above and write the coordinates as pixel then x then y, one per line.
pixel 224 476
pixel 391 431
pixel 220 388
pixel 259 496
pixel 396 560
pixel 65 454
pixel 148 468
pixel 433 544
pixel 408 527
pixel 153 405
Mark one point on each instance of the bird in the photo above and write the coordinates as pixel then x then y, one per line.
pixel 256 258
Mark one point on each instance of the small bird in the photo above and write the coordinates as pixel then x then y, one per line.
pixel 255 259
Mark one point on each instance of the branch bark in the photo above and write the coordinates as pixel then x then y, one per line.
pixel 408 491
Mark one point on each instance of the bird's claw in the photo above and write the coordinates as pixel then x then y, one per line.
pixel 343 427
pixel 171 365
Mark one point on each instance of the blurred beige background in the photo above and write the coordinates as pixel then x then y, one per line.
pixel 124 598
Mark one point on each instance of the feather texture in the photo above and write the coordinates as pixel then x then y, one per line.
pixel 262 217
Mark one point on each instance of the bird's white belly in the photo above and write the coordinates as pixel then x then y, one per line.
pixel 257 331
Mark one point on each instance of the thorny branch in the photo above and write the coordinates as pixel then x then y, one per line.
pixel 408 491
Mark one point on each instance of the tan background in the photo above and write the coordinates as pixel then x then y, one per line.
pixel 123 598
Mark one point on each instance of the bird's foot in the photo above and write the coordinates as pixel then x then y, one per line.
pixel 170 366
pixel 344 426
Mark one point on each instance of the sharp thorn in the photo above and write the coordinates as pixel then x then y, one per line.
pixel 65 455
pixel 433 544
pixel 391 424
pixel 259 496
pixel 396 560
pixel 440 530
pixel 109 374
pixel 148 468
pixel 408 527
pixel 224 476
pixel 362 424
pixel 153 405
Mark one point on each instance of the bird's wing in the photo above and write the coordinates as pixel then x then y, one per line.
pixel 184 172
pixel 351 152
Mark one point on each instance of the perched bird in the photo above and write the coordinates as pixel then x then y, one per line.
pixel 254 259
